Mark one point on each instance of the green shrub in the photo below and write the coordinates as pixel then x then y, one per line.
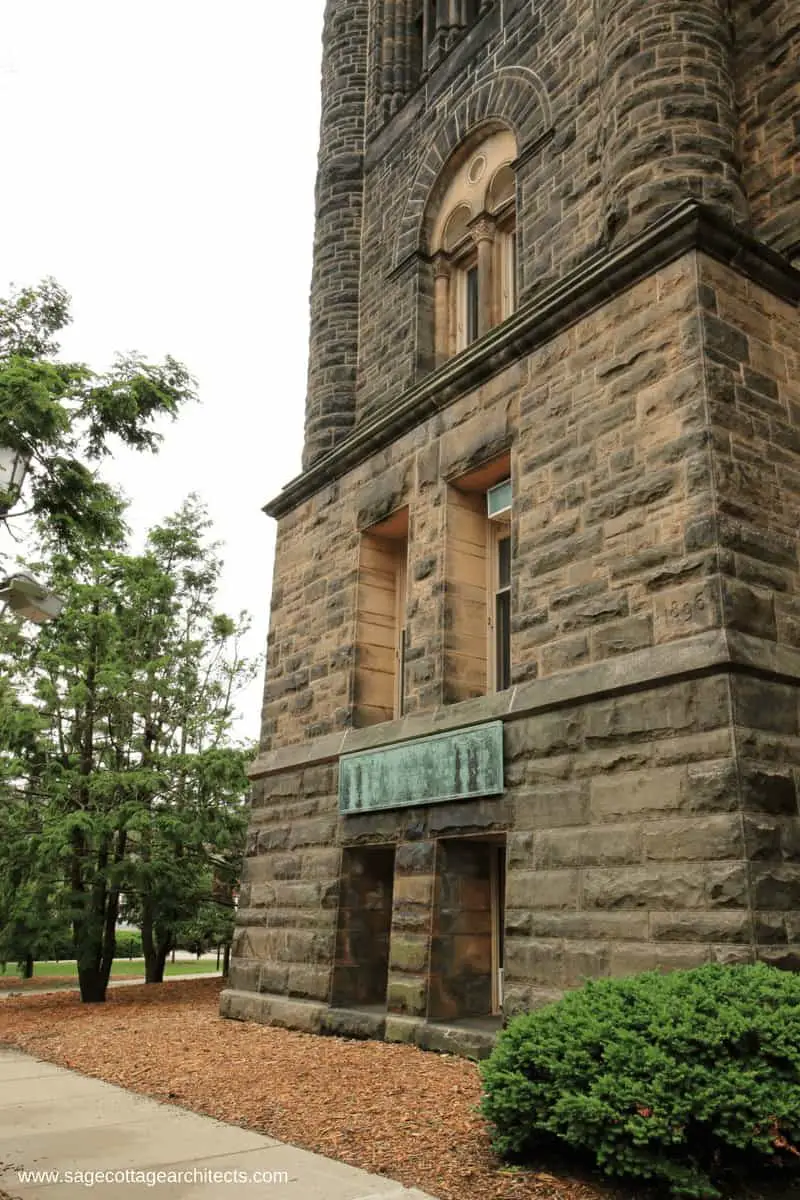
pixel 672 1078
pixel 129 944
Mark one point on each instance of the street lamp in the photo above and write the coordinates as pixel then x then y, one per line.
pixel 13 468
pixel 23 594
pixel 30 599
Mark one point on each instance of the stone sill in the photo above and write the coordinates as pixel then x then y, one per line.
pixel 689 227
pixel 658 665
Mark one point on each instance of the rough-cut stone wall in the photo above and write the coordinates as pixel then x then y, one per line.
pixel 669 110
pixel 767 745
pixel 768 96
pixel 652 827
pixel 286 921
pixel 632 109
pixel 648 397
pixel 333 348
pixel 629 849
pixel 518 68
pixel 611 474
pixel 751 343
pixel 310 648
pixel 640 437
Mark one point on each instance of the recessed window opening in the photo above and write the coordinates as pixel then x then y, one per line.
pixel 478 571
pixel 500 589
pixel 381 636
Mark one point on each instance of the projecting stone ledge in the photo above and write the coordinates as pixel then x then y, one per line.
pixel 653 666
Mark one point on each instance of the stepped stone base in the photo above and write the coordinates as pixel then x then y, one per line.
pixel 463 1040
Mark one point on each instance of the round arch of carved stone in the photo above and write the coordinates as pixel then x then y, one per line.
pixel 512 97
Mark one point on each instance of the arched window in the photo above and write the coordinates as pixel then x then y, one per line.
pixel 473 246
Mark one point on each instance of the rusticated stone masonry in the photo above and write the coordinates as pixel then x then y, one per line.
pixel 333 349
pixel 768 98
pixel 669 122
pixel 644 399
pixel 656 827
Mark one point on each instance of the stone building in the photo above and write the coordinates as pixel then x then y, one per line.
pixel 531 709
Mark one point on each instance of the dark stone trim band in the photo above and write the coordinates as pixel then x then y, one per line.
pixel 716 650
pixel 689 227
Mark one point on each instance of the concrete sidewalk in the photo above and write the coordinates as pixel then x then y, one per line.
pixel 53 1120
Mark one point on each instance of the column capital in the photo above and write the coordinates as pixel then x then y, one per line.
pixel 441 265
pixel 483 228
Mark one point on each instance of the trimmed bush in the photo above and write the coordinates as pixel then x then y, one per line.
pixel 673 1078
pixel 129 944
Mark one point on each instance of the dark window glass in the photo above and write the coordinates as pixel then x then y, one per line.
pixel 473 302
pixel 503 649
pixel 502 616
pixel 401 674
pixel 504 563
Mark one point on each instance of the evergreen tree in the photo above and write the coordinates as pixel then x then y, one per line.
pixel 118 764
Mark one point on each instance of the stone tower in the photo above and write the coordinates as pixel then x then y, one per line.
pixel 531 712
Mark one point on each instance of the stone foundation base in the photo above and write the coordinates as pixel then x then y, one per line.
pixel 310 1017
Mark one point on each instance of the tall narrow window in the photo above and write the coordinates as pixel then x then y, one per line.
pixel 478 566
pixel 507 251
pixel 401 605
pixel 502 610
pixel 472 315
pixel 498 501
pixel 381 621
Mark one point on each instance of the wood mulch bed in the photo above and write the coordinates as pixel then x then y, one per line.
pixel 393 1110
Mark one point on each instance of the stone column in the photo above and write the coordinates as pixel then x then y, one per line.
pixel 441 302
pixel 669 126
pixel 483 231
pixel 333 350
pixel 409 959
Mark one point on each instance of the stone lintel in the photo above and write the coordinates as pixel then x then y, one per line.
pixel 655 666
pixel 689 227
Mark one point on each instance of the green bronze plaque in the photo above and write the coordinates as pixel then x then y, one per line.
pixel 429 770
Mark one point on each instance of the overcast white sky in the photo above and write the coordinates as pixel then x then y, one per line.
pixel 159 160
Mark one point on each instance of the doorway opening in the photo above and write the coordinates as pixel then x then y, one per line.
pixel 468 929
pixel 361 968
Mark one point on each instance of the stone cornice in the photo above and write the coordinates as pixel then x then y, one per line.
pixel 716 650
pixel 689 227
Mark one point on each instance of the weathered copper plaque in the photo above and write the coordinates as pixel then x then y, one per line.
pixel 428 770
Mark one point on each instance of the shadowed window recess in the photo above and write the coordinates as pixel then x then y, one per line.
pixel 381 620
pixel 478 585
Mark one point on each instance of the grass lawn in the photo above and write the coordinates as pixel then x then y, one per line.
pixel 123 968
